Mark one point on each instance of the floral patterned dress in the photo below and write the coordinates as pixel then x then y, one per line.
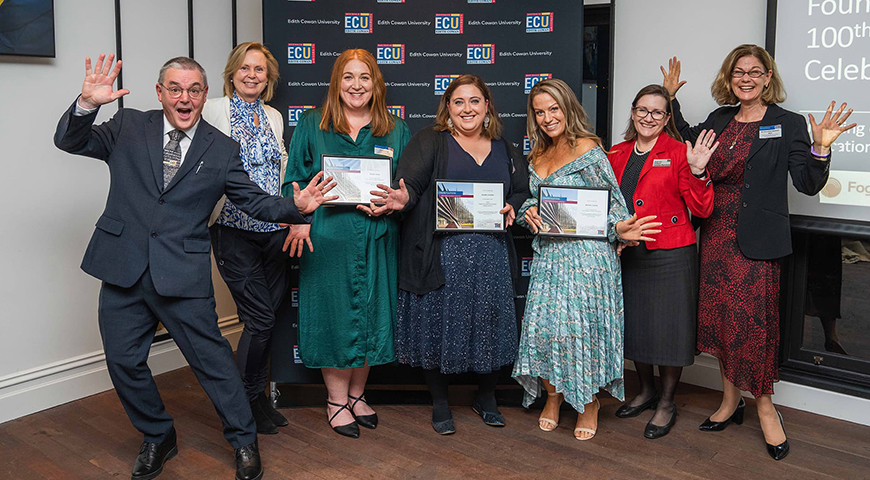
pixel 572 328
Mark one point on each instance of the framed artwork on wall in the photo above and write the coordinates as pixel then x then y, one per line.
pixel 27 27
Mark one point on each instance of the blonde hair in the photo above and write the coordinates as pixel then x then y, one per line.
pixel 576 121
pixel 494 129
pixel 721 89
pixel 237 58
pixel 382 120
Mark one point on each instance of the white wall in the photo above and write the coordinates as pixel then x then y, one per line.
pixel 50 349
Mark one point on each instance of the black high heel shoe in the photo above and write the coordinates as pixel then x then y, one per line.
pixel 368 421
pixel 778 452
pixel 626 411
pixel 350 430
pixel 736 417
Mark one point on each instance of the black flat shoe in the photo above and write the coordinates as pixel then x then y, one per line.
pixel 350 430
pixel 368 421
pixel 444 427
pixel 152 456
pixel 248 466
pixel 736 417
pixel 265 426
pixel 274 415
pixel 778 452
pixel 626 411
pixel 654 431
pixel 493 419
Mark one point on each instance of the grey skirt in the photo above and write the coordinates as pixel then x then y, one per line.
pixel 661 304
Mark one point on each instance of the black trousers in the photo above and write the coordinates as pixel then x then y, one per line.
pixel 255 270
pixel 128 318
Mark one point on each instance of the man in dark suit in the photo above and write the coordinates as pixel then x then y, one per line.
pixel 151 246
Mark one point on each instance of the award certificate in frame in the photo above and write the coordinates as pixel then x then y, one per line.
pixel 578 212
pixel 355 177
pixel 469 206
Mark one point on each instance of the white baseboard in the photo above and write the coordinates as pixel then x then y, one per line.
pixel 705 373
pixel 40 388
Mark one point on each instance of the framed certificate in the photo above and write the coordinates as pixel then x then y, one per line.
pixel 579 212
pixel 355 177
pixel 469 206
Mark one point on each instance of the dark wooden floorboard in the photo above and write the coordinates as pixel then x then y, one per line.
pixel 92 439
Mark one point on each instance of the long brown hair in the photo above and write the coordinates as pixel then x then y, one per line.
pixel 576 121
pixel 494 129
pixel 660 91
pixel 774 92
pixel 382 120
pixel 237 58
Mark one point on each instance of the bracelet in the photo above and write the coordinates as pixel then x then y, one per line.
pixel 700 176
pixel 817 154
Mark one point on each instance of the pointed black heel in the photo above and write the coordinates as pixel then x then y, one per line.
pixel 350 430
pixel 778 452
pixel 736 417
pixel 368 421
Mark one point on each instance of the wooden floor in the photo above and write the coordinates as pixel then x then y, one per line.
pixel 92 439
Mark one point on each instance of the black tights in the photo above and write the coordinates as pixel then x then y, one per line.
pixel 670 377
pixel 438 384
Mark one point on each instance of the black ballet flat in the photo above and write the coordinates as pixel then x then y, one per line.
pixel 368 421
pixel 626 411
pixel 655 431
pixel 778 452
pixel 736 417
pixel 350 430
pixel 493 419
pixel 444 427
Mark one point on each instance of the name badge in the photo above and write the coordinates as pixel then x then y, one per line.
pixel 772 131
pixel 385 151
pixel 662 162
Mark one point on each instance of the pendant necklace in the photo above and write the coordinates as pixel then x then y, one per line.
pixel 737 137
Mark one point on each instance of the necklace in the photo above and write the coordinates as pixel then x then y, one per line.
pixel 638 152
pixel 737 137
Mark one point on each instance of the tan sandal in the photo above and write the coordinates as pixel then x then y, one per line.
pixel 554 423
pixel 587 430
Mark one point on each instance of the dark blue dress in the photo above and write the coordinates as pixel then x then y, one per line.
pixel 469 324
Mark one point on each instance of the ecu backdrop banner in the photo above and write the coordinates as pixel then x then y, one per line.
pixel 420 46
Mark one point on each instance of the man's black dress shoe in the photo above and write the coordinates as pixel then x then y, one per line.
pixel 248 466
pixel 736 417
pixel 152 456
pixel 350 430
pixel 265 426
pixel 493 419
pixel 778 452
pixel 368 421
pixel 655 431
pixel 627 411
pixel 274 415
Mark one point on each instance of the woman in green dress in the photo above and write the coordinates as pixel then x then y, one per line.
pixel 348 283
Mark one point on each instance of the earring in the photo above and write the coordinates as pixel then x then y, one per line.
pixel 486 122
pixel 450 123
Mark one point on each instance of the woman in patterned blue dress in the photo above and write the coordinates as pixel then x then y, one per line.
pixel 572 329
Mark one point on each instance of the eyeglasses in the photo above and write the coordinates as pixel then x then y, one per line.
pixel 752 73
pixel 176 92
pixel 641 113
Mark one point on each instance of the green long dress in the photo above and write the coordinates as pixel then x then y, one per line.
pixel 348 286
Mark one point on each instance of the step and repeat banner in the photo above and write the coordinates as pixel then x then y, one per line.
pixel 420 47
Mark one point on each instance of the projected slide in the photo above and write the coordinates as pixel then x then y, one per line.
pixel 823 53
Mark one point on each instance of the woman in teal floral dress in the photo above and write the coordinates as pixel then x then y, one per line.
pixel 572 329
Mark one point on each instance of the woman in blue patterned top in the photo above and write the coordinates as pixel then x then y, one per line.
pixel 572 329
pixel 248 251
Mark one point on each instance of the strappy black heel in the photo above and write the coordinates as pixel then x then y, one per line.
pixel 350 430
pixel 368 421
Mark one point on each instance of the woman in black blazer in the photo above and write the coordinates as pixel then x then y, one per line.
pixel 748 232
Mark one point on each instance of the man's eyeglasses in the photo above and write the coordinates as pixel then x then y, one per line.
pixel 641 113
pixel 751 73
pixel 176 92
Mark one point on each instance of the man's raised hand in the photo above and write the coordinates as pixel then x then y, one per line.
pixel 97 87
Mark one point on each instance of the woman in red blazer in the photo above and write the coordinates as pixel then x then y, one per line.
pixel 660 176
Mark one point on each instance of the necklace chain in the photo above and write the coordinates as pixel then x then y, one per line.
pixel 737 136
